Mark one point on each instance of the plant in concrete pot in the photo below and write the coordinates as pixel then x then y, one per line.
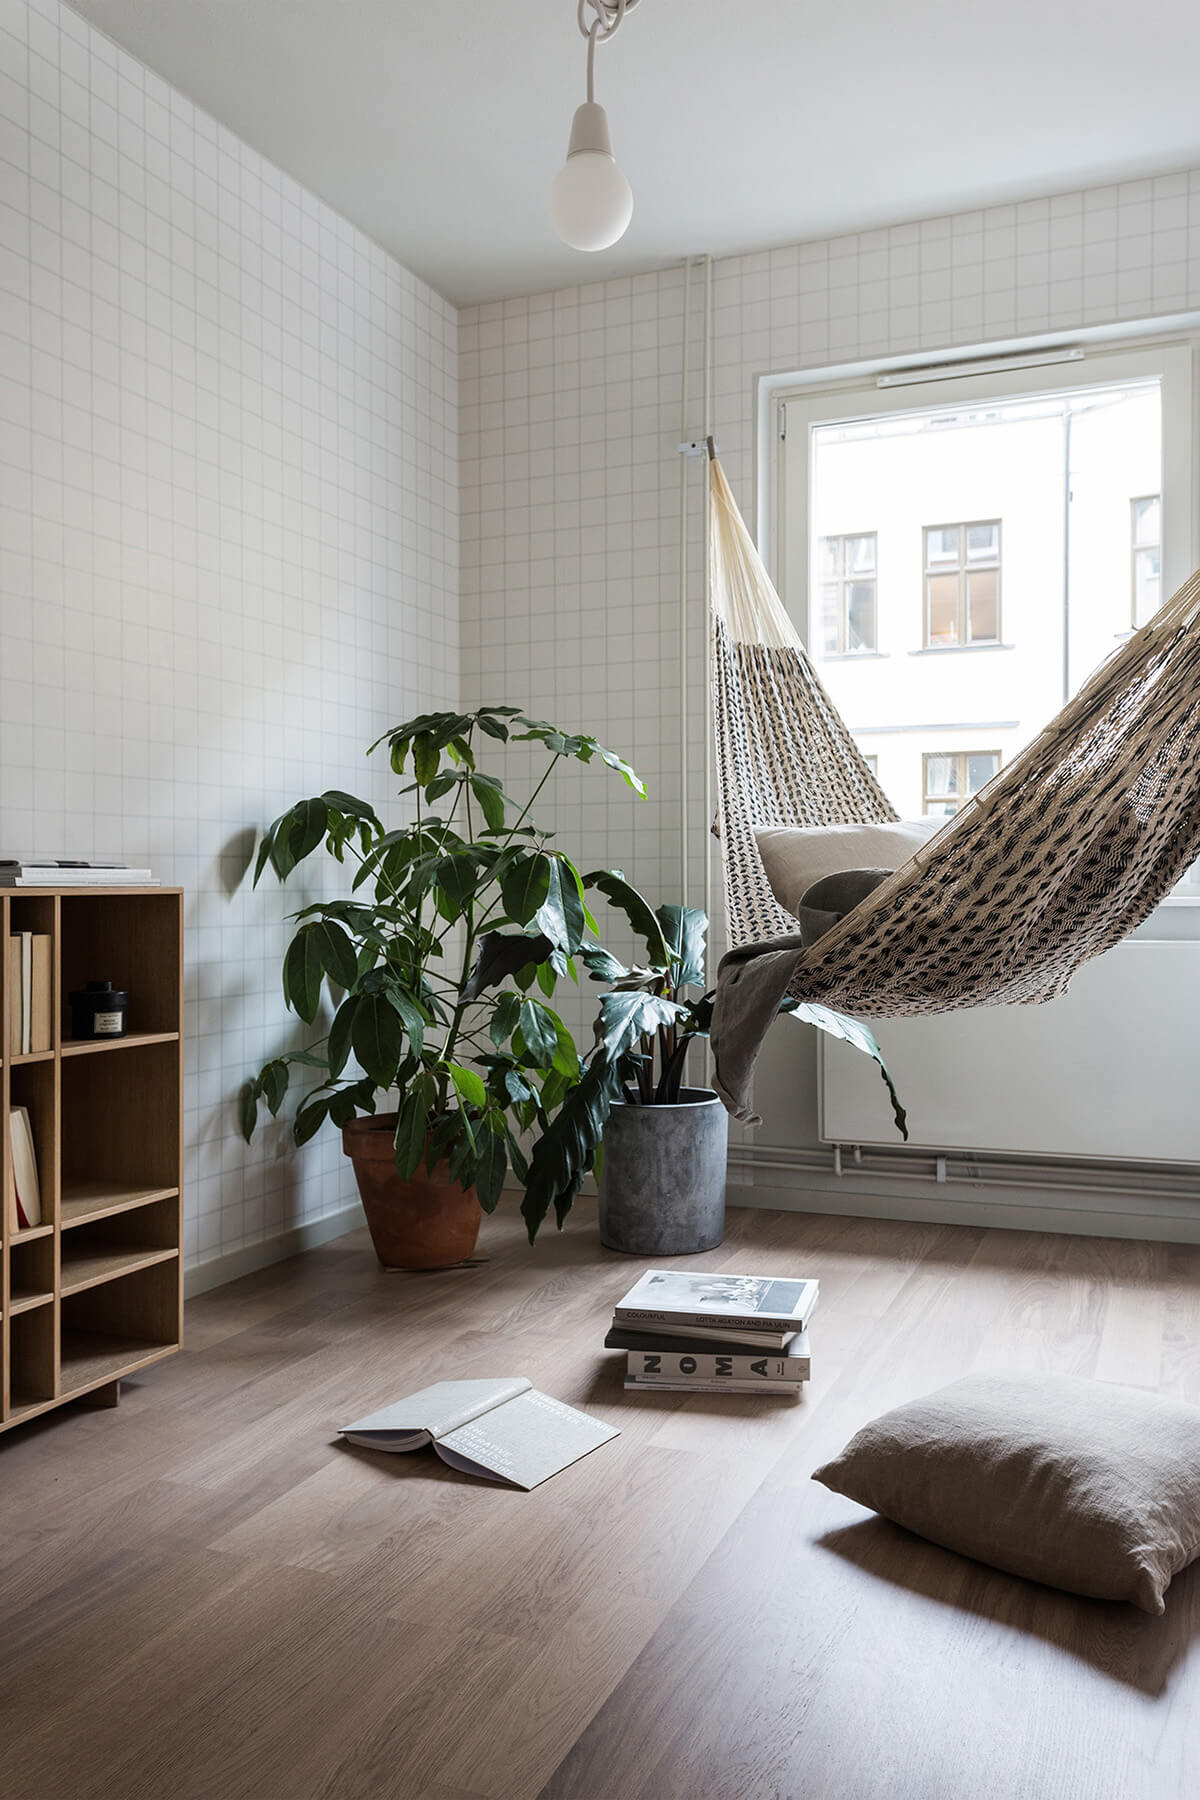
pixel 452 922
pixel 662 1175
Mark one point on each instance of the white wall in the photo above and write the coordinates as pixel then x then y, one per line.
pixel 228 537
pixel 569 425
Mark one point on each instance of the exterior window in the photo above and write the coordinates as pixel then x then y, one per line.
pixel 962 584
pixel 848 594
pixel 1145 536
pixel 951 776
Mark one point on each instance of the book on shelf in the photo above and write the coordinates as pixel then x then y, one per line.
pixel 502 1429
pixel 25 1195
pixel 761 1310
pixel 723 1368
pixel 30 992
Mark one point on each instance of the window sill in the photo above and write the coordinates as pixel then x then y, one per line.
pixel 855 656
pixel 958 649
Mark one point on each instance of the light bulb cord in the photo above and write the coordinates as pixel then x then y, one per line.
pixel 609 16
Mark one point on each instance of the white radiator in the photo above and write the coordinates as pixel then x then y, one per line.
pixel 1108 1071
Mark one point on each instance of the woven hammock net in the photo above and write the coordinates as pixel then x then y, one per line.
pixel 1068 849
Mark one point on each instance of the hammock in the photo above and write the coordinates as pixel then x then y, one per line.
pixel 1057 859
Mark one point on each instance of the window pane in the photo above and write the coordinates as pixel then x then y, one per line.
pixel 983 605
pixel 941 775
pixel 860 555
pixel 980 770
pixel 940 809
pixel 943 609
pixel 941 544
pixel 831 608
pixel 831 558
pixel 1147 584
pixel 983 542
pixel 860 615
pixel 1147 520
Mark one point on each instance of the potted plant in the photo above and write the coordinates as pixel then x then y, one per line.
pixel 439 965
pixel 662 1174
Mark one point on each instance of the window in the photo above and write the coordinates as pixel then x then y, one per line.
pixel 1010 494
pixel 1145 536
pixel 848 589
pixel 962 584
pixel 872 763
pixel 951 776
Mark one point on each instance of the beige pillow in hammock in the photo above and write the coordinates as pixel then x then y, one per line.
pixel 795 857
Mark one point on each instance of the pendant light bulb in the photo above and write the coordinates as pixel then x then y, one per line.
pixel 591 203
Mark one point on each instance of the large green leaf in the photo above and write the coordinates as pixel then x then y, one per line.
pixel 303 967
pixel 490 795
pixel 501 954
pixel 457 877
pixel 685 929
pixel 378 1038
pixel 341 1035
pixel 505 1014
pixel 310 1118
pixel 337 952
pixel 468 1084
pixel 524 886
pixel 629 1015
pixel 411 1015
pixel 412 1126
pixel 624 896
pixel 539 1032
pixel 274 1084
pixel 492 1164
pixel 309 823
pixel 566 1150
pixel 853 1031
pixel 426 757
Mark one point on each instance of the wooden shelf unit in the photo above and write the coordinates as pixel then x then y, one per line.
pixel 95 1292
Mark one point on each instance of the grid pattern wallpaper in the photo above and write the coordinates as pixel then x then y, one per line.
pixel 570 416
pixel 228 537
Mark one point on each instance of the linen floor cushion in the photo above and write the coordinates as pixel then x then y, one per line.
pixel 795 857
pixel 1080 1484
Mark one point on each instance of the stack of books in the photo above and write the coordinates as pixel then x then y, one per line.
pixel 31 992
pixel 43 873
pixel 715 1334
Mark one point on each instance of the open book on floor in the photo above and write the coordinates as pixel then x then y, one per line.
pixel 502 1429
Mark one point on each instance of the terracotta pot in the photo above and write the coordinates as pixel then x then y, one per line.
pixel 426 1223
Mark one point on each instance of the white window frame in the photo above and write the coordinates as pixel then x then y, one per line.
pixel 843 581
pixel 962 568
pixel 789 408
pixel 796 408
pixel 960 795
pixel 1138 548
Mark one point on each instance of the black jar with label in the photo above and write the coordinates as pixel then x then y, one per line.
pixel 98 1011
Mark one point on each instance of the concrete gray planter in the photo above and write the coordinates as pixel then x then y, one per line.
pixel 662 1186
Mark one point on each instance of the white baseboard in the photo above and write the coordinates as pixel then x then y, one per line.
pixel 215 1271
pixel 1119 1215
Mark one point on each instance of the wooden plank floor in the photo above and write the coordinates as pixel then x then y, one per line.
pixel 204 1597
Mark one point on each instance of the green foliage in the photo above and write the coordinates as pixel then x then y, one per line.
pixel 445 912
pixel 852 1031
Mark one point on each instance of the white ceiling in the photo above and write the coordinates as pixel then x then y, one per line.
pixel 436 125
